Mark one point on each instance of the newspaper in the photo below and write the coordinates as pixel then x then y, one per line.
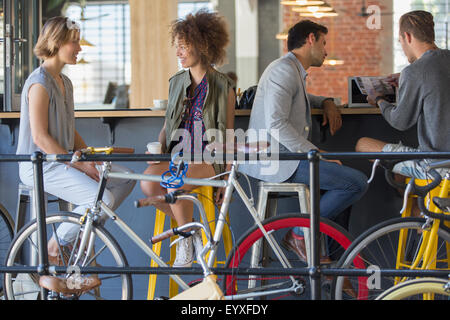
pixel 374 84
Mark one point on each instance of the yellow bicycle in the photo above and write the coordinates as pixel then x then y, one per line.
pixel 404 243
pixel 418 289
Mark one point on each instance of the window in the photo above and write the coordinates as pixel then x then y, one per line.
pixel 186 7
pixel 106 26
pixel 440 11
pixel 2 64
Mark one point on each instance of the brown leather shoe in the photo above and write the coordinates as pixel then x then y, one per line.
pixel 296 244
pixel 348 288
pixel 70 286
pixel 59 260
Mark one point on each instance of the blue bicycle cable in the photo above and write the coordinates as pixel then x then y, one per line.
pixel 173 178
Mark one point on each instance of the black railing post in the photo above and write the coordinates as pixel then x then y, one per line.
pixel 39 205
pixel 314 158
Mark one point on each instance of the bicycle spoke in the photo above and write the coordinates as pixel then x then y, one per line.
pixel 26 292
pixel 110 277
pixel 273 255
pixel 33 244
pixel 110 254
pixel 95 256
pixel 72 252
pixel 60 250
pixel 380 246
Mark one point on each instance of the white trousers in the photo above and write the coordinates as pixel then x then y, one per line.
pixel 74 186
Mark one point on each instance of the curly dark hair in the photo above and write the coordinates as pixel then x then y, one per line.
pixel 205 31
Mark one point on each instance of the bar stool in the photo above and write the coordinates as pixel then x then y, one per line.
pixel 206 197
pixel 267 208
pixel 26 196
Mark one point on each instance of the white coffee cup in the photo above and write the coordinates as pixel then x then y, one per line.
pixel 160 104
pixel 154 148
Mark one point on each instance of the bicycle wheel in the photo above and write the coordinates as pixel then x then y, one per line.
pixel 6 235
pixel 280 287
pixel 25 286
pixel 378 248
pixel 418 289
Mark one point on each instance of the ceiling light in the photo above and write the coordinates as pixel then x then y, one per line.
pixel 302 3
pixel 312 9
pixel 85 43
pixel 319 14
pixel 281 36
pixel 333 62
pixel 83 61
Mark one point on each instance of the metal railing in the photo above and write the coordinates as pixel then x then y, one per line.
pixel 314 271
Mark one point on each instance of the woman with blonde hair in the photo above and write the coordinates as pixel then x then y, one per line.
pixel 47 125
pixel 200 99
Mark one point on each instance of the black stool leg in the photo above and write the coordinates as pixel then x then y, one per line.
pixel 21 211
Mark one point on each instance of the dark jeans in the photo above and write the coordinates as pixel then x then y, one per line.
pixel 342 186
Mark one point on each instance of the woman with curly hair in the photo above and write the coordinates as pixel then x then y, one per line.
pixel 200 99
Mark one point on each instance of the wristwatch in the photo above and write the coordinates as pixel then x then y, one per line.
pixel 377 99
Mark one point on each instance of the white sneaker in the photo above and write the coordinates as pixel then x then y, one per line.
pixel 198 243
pixel 185 254
pixel 25 287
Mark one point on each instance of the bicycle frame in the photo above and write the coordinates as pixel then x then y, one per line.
pixel 213 240
pixel 428 248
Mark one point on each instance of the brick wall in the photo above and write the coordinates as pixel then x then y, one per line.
pixel 365 52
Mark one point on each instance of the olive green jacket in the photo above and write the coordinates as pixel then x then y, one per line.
pixel 214 109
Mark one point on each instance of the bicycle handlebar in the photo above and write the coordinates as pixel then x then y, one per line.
pixel 388 165
pixel 425 211
pixel 389 176
pixel 170 198
pixel 422 191
pixel 192 227
pixel 412 187
pixel 439 164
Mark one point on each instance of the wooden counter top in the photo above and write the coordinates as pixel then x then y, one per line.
pixel 145 113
